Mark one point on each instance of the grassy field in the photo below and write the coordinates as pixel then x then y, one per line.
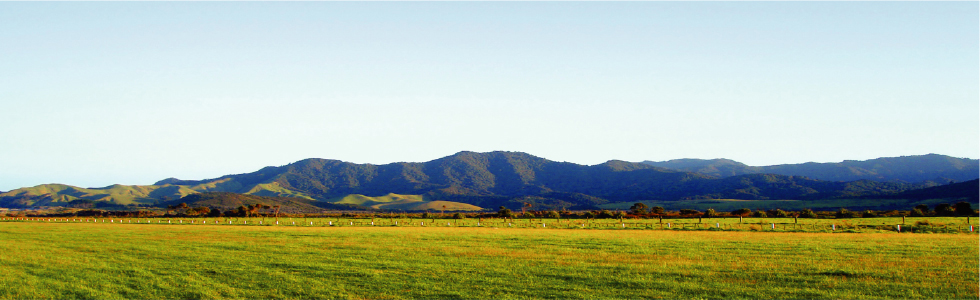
pixel 864 225
pixel 112 260
pixel 824 204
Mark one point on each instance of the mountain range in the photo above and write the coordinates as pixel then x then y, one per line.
pixel 511 179
pixel 912 169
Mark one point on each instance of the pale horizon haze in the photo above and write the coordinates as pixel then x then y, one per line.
pixel 101 93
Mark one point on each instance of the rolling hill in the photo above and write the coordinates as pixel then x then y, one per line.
pixel 472 180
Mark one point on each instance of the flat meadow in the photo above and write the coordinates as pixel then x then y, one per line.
pixel 168 258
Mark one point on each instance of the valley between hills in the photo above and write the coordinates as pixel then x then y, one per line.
pixel 471 181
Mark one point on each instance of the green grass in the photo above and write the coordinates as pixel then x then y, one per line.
pixel 112 260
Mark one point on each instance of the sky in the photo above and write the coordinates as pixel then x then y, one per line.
pixel 94 94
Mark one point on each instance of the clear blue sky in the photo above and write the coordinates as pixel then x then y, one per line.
pixel 93 94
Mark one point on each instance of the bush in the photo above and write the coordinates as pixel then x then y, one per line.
pixel 710 213
pixel 777 213
pixel 742 212
pixel 964 209
pixel 505 213
pixel 657 210
pixel 690 212
pixel 552 215
pixel 923 208
pixel 916 212
pixel 807 213
pixel 943 209
pixel 868 214
pixel 458 216
pixel 605 214
pixel 760 214
pixel 638 208
pixel 844 213
pixel 588 215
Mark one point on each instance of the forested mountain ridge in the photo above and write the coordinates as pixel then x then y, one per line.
pixel 482 179
pixel 940 169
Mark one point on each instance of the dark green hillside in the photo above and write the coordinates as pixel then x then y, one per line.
pixel 936 168
pixel 968 190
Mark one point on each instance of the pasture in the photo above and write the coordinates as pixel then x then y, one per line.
pixel 870 225
pixel 138 260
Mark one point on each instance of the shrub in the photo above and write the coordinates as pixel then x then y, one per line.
pixel 843 213
pixel 552 215
pixel 588 215
pixel 709 213
pixel 943 209
pixel 690 212
pixel 657 210
pixel 964 209
pixel 505 213
pixel 777 213
pixel 605 214
pixel 458 216
pixel 760 214
pixel 807 213
pixel 868 214
pixel 916 212
pixel 923 208
pixel 638 208
pixel 742 212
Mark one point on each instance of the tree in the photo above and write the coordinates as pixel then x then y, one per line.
pixel 923 208
pixel 807 213
pixel 843 213
pixel 777 213
pixel 657 210
pixel 742 212
pixel 709 213
pixel 214 213
pixel 760 214
pixel 638 208
pixel 552 214
pixel 943 209
pixel 505 213
pixel 916 212
pixel 964 209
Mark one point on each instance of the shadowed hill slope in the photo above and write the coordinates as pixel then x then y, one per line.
pixel 937 168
